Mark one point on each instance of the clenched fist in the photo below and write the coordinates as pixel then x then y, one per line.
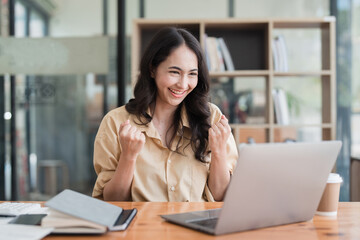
pixel 218 136
pixel 131 139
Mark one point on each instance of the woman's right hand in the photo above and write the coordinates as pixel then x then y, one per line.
pixel 131 139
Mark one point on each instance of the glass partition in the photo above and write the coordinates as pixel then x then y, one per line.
pixel 63 73
pixel 59 104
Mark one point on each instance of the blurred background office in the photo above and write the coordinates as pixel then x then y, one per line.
pixel 66 63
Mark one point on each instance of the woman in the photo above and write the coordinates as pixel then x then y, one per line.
pixel 167 143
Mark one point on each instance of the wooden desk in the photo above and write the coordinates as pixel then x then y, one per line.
pixel 148 225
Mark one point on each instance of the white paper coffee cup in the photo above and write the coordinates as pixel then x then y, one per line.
pixel 330 199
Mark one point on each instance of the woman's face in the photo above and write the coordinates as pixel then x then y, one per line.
pixel 176 77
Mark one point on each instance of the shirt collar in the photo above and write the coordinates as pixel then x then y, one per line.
pixel 150 128
pixel 184 117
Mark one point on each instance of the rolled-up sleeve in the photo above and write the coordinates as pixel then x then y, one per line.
pixel 231 149
pixel 107 151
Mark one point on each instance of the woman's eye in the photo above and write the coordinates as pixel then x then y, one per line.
pixel 193 74
pixel 174 72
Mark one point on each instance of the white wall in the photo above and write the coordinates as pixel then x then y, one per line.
pixel 243 8
pixel 132 12
pixel 76 18
pixel 112 17
pixel 84 17
pixel 186 8
pixel 281 8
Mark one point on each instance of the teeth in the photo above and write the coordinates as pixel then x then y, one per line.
pixel 176 92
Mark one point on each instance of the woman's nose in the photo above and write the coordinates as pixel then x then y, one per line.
pixel 183 81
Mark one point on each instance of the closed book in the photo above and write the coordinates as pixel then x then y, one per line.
pixel 281 51
pixel 226 55
pixel 71 212
pixel 281 107
pixel 220 57
pixel 277 107
pixel 207 56
pixel 275 55
pixel 284 107
pixel 213 53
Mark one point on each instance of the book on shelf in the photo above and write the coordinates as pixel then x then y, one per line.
pixel 212 51
pixel 281 107
pixel 275 55
pixel 217 54
pixel 71 212
pixel 279 51
pixel 220 57
pixel 226 55
pixel 207 55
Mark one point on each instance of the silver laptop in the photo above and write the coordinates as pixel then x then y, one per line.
pixel 273 184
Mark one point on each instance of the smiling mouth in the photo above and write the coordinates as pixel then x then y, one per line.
pixel 177 93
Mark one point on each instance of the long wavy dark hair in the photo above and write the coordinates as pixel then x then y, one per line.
pixel 196 102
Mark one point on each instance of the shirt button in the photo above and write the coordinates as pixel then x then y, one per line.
pixel 172 188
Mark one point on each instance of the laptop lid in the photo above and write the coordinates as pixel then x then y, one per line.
pixel 275 184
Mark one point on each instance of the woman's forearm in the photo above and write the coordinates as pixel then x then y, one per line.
pixel 119 187
pixel 219 176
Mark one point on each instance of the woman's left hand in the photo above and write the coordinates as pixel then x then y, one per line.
pixel 218 136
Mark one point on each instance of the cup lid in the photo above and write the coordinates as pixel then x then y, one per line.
pixel 334 178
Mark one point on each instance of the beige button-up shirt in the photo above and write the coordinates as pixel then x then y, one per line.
pixel 160 174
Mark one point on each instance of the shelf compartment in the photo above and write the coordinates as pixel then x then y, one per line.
pixel 307 44
pixel 251 134
pixel 303 133
pixel 246 42
pixel 241 99
pixel 303 99
pixel 299 134
pixel 284 134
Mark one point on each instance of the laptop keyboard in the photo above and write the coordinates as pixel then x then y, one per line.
pixel 209 223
